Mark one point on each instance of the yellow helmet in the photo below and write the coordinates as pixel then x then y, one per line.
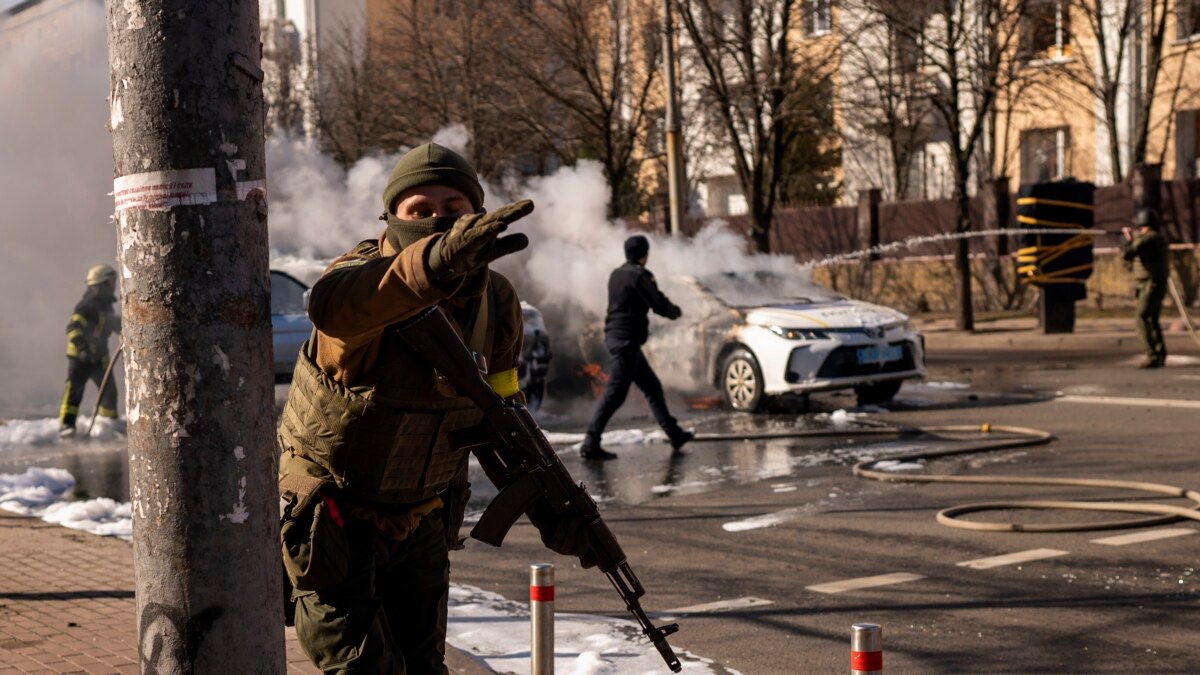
pixel 100 274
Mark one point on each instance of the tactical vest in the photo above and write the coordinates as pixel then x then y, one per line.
pixel 1153 257
pixel 384 439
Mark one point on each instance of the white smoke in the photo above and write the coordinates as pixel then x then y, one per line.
pixel 55 176
pixel 319 210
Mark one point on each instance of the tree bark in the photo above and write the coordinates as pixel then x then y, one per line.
pixel 187 124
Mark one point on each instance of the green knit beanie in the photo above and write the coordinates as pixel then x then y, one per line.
pixel 432 164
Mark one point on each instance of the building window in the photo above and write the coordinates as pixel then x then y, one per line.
pixel 1187 144
pixel 1046 30
pixel 1187 18
pixel 818 19
pixel 1044 154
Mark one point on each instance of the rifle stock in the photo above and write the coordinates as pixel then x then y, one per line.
pixel 517 458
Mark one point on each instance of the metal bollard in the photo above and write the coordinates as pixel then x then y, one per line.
pixel 541 614
pixel 866 649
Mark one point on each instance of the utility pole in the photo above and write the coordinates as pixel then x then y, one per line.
pixel 676 178
pixel 187 124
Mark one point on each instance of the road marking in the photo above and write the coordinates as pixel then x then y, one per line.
pixel 1132 401
pixel 1147 535
pixel 1012 558
pixel 721 605
pixel 865 582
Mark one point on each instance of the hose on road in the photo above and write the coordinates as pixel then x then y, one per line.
pixel 1007 438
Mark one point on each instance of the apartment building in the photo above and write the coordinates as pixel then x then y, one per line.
pixel 1080 90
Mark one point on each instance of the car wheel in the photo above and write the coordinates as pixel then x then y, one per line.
pixel 742 381
pixel 877 392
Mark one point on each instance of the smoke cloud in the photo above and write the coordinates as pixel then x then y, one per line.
pixel 55 176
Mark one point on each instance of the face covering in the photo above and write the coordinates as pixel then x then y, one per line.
pixel 404 233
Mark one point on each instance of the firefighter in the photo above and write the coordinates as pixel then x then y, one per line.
pixel 1146 254
pixel 372 491
pixel 632 294
pixel 92 322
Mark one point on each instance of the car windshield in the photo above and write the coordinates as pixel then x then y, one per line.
pixel 287 294
pixel 763 289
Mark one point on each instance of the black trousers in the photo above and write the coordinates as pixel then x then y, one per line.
pixel 78 374
pixel 628 366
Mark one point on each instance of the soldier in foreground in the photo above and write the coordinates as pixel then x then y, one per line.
pixel 1146 253
pixel 632 294
pixel 372 490
pixel 92 323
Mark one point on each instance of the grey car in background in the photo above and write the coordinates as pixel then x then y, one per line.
pixel 290 325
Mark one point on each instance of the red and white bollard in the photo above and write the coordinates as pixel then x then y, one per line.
pixel 866 649
pixel 541 615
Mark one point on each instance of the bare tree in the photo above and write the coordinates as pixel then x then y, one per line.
pixel 1129 36
pixel 596 62
pixel 754 81
pixel 967 48
pixel 359 108
pixel 884 94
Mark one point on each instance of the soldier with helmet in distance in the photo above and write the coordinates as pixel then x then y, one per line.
pixel 92 322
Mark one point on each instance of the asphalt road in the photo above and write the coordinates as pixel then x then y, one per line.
pixel 1073 606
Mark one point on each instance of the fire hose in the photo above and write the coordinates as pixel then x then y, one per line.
pixel 1015 437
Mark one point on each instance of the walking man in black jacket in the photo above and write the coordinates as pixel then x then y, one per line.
pixel 632 293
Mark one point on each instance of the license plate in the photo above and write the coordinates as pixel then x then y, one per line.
pixel 880 354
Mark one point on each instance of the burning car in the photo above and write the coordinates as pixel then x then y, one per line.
pixel 765 334
pixel 290 327
pixel 535 356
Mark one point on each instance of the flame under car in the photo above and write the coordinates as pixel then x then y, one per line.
pixel 766 335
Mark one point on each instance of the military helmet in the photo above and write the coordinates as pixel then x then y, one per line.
pixel 1146 217
pixel 100 274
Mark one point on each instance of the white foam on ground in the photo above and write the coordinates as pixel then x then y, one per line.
pixel 610 438
pixel 496 630
pixel 40 493
pixel 24 433
pixel 28 432
pixel 939 385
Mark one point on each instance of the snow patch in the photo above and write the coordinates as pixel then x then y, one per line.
pixel 610 438
pixel 496 630
pixel 40 493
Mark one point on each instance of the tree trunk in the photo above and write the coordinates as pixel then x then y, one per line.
pixel 965 312
pixel 187 124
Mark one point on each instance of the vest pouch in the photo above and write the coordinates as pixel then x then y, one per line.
pixel 316 551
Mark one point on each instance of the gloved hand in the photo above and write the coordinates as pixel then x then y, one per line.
pixel 474 241
pixel 565 535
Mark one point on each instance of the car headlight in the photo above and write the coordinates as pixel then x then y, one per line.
pixel 799 333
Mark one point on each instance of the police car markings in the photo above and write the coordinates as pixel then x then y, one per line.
pixel 1147 535
pixel 1131 401
pixel 1012 558
pixel 865 582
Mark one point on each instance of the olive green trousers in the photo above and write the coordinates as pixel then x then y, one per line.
pixel 1150 293
pixel 388 617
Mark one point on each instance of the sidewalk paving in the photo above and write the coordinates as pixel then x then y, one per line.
pixel 67 604
pixel 1022 332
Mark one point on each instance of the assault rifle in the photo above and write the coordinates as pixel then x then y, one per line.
pixel 517 458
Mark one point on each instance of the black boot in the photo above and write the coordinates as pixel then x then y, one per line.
pixel 593 451
pixel 680 438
